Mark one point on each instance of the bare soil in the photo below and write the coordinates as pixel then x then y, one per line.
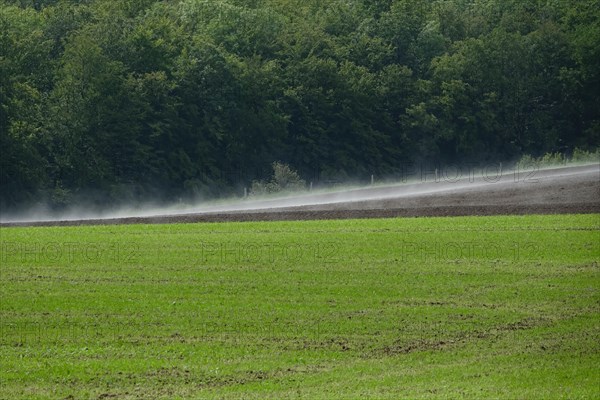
pixel 567 190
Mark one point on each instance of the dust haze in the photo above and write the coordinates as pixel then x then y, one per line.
pixel 560 185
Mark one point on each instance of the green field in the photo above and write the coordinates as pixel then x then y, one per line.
pixel 476 307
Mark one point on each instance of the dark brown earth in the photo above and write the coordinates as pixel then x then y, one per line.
pixel 559 191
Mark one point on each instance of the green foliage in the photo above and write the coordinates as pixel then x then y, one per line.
pixel 284 179
pixel 557 159
pixel 586 156
pixel 198 97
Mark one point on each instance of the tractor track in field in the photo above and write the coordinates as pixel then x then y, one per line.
pixel 567 190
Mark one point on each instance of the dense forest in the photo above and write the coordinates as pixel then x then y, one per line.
pixel 123 100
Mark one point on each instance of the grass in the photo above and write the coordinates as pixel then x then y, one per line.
pixel 477 307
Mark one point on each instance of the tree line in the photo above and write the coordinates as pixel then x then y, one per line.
pixel 104 100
